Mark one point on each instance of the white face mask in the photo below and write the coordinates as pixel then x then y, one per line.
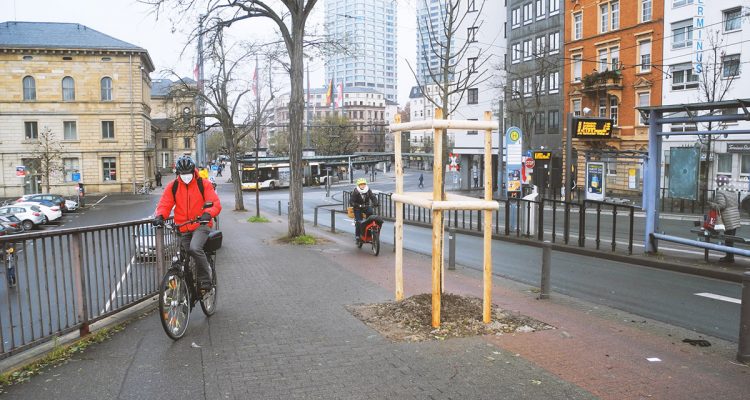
pixel 187 178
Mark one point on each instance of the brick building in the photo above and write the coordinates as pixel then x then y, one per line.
pixel 91 91
pixel 613 51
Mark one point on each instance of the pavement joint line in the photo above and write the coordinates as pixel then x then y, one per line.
pixel 719 297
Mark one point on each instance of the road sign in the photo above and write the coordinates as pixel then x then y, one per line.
pixel 529 163
pixel 20 170
pixel 76 176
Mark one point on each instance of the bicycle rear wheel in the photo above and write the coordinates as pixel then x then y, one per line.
pixel 375 241
pixel 174 305
pixel 208 302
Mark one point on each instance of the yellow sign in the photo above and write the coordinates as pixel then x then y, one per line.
pixel 542 155
pixel 593 128
pixel 515 135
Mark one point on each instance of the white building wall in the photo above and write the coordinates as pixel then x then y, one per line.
pixel 732 42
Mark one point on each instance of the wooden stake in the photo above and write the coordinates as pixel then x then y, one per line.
pixel 487 299
pixel 437 219
pixel 399 239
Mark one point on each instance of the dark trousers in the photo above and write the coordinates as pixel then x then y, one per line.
pixel 729 242
pixel 194 242
pixel 358 217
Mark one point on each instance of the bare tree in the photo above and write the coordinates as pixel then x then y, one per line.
pixel 333 135
pixel 279 143
pixel 290 17
pixel 48 152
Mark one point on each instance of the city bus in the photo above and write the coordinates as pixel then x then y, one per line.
pixel 272 175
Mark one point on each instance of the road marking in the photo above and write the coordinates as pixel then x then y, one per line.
pixel 100 200
pixel 117 289
pixel 720 297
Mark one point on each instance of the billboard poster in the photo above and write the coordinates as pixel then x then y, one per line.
pixel 595 181
pixel 514 143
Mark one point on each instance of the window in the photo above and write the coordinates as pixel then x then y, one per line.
pixel 472 33
pixel 539 122
pixel 683 77
pixel 186 142
pixel 644 51
pixel 164 143
pixel 109 169
pixel 602 108
pixel 646 6
pixel 745 164
pixel 515 18
pixel 724 165
pixel 539 50
pixel 611 167
pixel 554 43
pixel 527 49
pixel 515 55
pixel 730 66
pixel 473 96
pixel 29 88
pixel 614 9
pixel 108 129
pixel 540 9
pixel 603 59
pixel 644 100
pixel 609 16
pixel 733 20
pixel 528 13
pixel 682 34
pixel 70 130
pixel 554 7
pixel 553 121
pixel 554 82
pixel 472 64
pixel 70 166
pixel 516 89
pixel 613 111
pixel 614 57
pixel 577 107
pixel 31 130
pixel 69 89
pixel 106 89
pixel 578 25
pixel 577 67
pixel 604 17
pixel 680 3
pixel 527 90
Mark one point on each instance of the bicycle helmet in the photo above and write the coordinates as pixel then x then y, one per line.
pixel 185 165
pixel 361 181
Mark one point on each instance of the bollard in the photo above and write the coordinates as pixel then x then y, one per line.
pixel 451 248
pixel 333 221
pixel 394 238
pixel 743 352
pixel 279 207
pixel 315 216
pixel 546 261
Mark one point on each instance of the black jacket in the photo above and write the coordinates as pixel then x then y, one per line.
pixel 359 200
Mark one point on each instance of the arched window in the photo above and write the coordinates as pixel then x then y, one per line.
pixel 69 89
pixel 29 88
pixel 106 89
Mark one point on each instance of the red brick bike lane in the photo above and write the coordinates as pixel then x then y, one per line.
pixel 602 350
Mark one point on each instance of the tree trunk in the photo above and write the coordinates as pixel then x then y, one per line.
pixel 296 108
pixel 239 203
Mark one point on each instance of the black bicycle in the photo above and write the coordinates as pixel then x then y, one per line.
pixel 179 291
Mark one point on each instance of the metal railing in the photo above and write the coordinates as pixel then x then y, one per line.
pixel 540 220
pixel 70 278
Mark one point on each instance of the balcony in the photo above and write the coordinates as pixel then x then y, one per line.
pixel 602 81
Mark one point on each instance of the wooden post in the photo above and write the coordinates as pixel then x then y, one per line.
pixel 487 299
pixel 437 220
pixel 399 226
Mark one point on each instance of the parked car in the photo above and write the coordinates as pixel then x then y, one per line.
pixel 11 223
pixel 51 211
pixel 71 205
pixel 30 215
pixel 55 198
pixel 145 242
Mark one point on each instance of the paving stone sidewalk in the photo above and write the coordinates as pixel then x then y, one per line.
pixel 282 332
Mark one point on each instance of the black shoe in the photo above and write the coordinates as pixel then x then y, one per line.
pixel 726 260
pixel 205 286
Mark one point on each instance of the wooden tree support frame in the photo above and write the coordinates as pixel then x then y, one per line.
pixel 437 204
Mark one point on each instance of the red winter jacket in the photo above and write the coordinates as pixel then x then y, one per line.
pixel 188 202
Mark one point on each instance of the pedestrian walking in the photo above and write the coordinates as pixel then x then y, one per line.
pixel 727 203
pixel 158 178
pixel 219 168
pixel 421 180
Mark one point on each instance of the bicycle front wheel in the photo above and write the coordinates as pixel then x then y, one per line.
pixel 208 302
pixel 174 305
pixel 375 241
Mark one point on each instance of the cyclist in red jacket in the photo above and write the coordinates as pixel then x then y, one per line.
pixel 188 199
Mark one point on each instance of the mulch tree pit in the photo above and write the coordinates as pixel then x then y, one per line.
pixel 410 320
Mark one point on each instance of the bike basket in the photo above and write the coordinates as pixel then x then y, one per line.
pixel 350 212
pixel 214 241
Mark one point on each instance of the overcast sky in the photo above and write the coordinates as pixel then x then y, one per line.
pixel 135 23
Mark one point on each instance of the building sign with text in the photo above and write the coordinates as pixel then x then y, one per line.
pixel 738 147
pixel 542 155
pixel 592 128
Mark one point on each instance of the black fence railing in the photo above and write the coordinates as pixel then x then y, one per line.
pixel 588 224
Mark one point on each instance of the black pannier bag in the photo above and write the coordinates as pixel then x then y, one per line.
pixel 214 241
